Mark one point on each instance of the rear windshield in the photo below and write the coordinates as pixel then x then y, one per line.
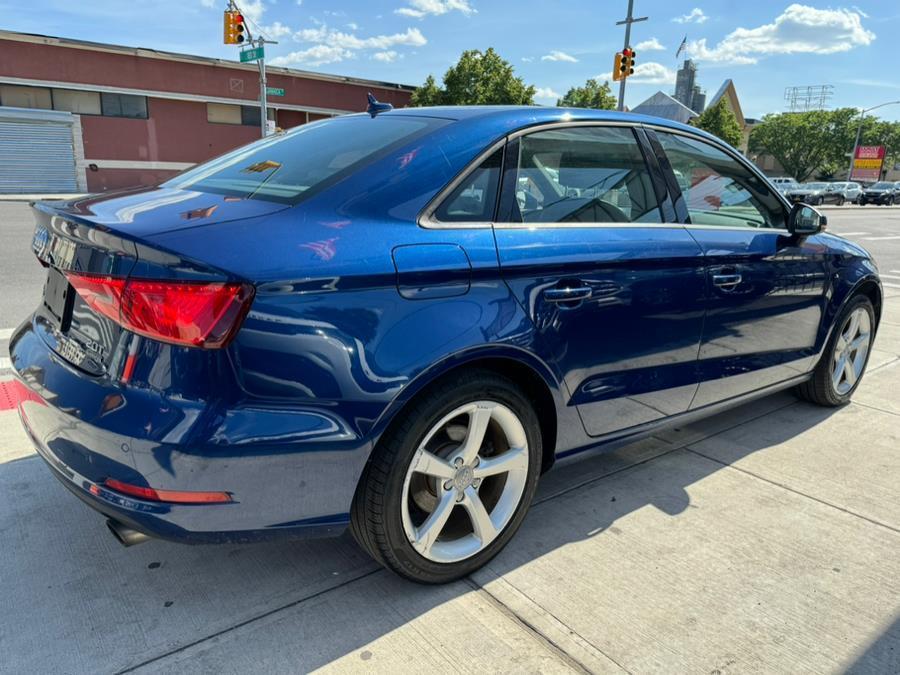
pixel 883 186
pixel 290 166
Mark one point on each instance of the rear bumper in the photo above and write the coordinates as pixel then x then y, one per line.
pixel 292 475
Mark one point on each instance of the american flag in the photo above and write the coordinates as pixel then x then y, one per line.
pixel 681 47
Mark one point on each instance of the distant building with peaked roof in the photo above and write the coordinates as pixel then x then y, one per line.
pixel 667 107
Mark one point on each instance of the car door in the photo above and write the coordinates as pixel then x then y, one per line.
pixel 614 291
pixel 767 288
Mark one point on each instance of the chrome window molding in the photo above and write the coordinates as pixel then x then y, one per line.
pixel 427 221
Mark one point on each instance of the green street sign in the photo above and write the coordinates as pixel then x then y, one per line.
pixel 274 91
pixel 252 54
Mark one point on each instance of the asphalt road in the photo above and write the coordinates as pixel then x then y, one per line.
pixel 764 539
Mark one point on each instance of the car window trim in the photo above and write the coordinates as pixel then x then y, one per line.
pixel 426 218
pixel 740 159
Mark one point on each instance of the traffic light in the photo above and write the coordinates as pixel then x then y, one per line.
pixel 624 64
pixel 235 30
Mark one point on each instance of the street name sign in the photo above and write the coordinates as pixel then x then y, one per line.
pixel 252 54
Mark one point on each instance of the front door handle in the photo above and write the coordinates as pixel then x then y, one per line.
pixel 726 281
pixel 567 294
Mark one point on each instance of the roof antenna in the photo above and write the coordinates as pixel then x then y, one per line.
pixel 375 107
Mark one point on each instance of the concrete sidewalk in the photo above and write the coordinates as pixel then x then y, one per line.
pixel 766 539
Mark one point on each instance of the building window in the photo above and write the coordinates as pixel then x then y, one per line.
pixel 81 102
pixel 123 105
pixel 25 97
pixel 225 113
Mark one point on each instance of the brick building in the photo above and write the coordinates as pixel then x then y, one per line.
pixel 80 116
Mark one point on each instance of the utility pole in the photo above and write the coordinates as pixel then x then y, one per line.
pixel 263 100
pixel 235 29
pixel 627 23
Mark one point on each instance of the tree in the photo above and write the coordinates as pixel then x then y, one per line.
pixel 719 120
pixel 591 95
pixel 478 78
pixel 801 142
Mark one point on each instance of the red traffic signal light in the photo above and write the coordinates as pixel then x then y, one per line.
pixel 235 28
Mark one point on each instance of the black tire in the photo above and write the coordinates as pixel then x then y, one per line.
pixel 820 389
pixel 376 517
pixel 840 201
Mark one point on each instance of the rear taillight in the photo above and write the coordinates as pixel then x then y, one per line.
pixel 172 496
pixel 188 313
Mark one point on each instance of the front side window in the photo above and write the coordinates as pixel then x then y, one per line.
pixel 289 166
pixel 583 175
pixel 717 188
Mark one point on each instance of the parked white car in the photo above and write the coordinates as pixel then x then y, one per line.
pixel 846 192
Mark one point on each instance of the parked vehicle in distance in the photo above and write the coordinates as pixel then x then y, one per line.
pixel 397 322
pixel 784 183
pixel 814 194
pixel 881 193
pixel 843 192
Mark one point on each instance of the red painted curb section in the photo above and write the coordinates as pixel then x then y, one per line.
pixel 12 392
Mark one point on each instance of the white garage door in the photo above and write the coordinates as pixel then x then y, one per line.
pixel 36 152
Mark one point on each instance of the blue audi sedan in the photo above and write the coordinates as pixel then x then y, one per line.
pixel 398 321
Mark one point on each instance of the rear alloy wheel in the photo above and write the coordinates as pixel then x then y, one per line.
pixel 448 487
pixel 843 363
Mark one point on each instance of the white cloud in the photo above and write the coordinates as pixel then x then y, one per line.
pixel 527 59
pixel 276 30
pixel 651 45
pixel 412 37
pixel 353 25
pixel 696 16
pixel 333 46
pixel 546 94
pixel 314 56
pixel 253 10
pixel 646 73
pixel 557 55
pixel 799 29
pixel 208 3
pixel 299 3
pixel 419 9
pixel 385 57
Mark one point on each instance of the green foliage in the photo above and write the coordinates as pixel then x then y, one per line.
pixel 820 141
pixel 720 121
pixel 591 95
pixel 478 78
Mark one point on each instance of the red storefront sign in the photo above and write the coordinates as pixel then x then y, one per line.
pixel 867 163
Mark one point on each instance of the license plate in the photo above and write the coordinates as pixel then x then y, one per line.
pixel 57 299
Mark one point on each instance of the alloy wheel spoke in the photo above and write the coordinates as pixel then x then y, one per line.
pixel 853 327
pixel 432 465
pixel 482 524
pixel 431 529
pixel 478 424
pixel 838 372
pixel 839 346
pixel 859 342
pixel 849 372
pixel 511 460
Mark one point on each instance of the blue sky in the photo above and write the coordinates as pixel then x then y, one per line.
pixel 764 45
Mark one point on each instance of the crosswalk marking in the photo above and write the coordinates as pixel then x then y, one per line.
pixel 885 283
pixel 6 364
pixel 5 333
pixel 893 236
pixel 850 234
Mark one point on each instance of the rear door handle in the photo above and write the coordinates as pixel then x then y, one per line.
pixel 567 294
pixel 726 281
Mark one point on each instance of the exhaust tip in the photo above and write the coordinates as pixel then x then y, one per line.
pixel 124 534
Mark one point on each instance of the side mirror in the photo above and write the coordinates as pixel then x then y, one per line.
pixel 804 220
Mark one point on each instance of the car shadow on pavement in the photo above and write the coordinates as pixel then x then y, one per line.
pixel 76 599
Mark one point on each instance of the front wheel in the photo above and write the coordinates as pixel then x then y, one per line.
pixel 844 360
pixel 450 483
pixel 840 201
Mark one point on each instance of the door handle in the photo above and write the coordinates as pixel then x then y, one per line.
pixel 567 294
pixel 726 281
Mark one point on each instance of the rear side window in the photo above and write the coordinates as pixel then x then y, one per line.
pixel 583 175
pixel 717 188
pixel 474 199
pixel 289 166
